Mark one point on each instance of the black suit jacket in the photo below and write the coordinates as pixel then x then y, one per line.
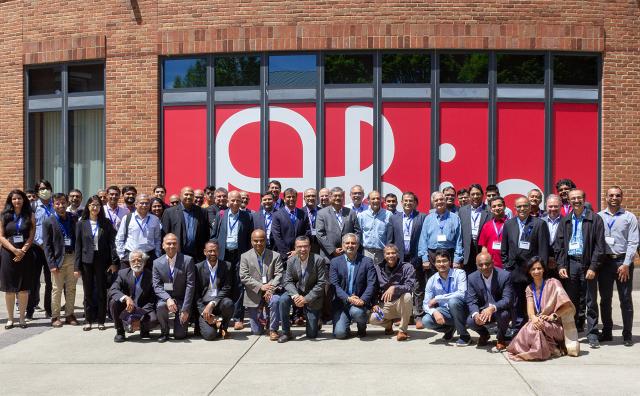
pixel 223 282
pixel 593 240
pixel 501 290
pixel 124 285
pixel 53 239
pixel 244 232
pixel 397 236
pixel 85 248
pixel 284 232
pixel 515 259
pixel 259 223
pixel 365 284
pixel 213 218
pixel 465 224
pixel 173 222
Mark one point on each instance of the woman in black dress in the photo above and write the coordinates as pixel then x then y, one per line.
pixel 95 256
pixel 17 229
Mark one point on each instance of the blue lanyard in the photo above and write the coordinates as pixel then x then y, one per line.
pixel 212 277
pixel 232 226
pixel 522 226
pixel 94 231
pixel 576 222
pixel 171 272
pixel 111 217
pixel 63 227
pixel 260 261
pixel 267 220
pixel 610 224
pixel 48 209
pixel 145 224
pixel 475 218
pixel 312 217
pixel 495 227
pixel 18 220
pixel 537 299
pixel 408 223
pixel 448 289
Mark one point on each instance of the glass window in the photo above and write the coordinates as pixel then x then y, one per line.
pixel 292 70
pixel 237 71
pixel 575 70
pixel 185 73
pixel 45 81
pixel 520 69
pixel 86 78
pixel 406 68
pixel 348 69
pixel 87 140
pixel 464 68
pixel 47 147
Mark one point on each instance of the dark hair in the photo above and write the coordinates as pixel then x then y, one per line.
pixel 210 187
pixel 160 186
pixel 462 191
pixel 116 188
pixel 302 238
pixel 127 188
pixel 565 182
pixel 9 210
pixel 30 191
pixel 477 186
pixel 265 194
pixel 102 218
pixel 498 198
pixel 277 183
pixel 45 182
pixel 222 190
pixel 531 262
pixel 156 199
pixel 415 197
pixel 492 187
pixel 211 242
pixel 290 191
pixel 58 196
pixel 75 190
pixel 449 188
pixel 442 253
pixel 390 195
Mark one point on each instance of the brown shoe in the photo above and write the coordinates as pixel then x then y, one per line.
pixel 419 325
pixel 238 326
pixel 299 322
pixel 71 320
pixel 224 334
pixel 402 336
pixel 55 322
pixel 501 346
pixel 273 335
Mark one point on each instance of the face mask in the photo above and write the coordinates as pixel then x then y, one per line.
pixel 44 194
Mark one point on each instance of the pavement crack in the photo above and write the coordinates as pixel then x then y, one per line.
pixel 504 355
pixel 234 366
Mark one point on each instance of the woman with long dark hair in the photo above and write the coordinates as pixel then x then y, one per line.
pixel 17 230
pixel 95 256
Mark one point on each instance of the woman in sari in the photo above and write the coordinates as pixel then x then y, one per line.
pixel 551 330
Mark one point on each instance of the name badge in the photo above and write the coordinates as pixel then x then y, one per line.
pixel 574 245
pixel 313 232
pixel 609 240
pixel 67 241
pixel 264 279
pixel 18 238
pixel 168 286
pixel 442 238
pixel 213 293
pixel 497 245
pixel 524 245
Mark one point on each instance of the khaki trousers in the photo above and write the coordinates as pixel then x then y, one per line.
pixel 399 308
pixel 63 279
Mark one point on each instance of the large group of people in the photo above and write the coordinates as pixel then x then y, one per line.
pixel 204 259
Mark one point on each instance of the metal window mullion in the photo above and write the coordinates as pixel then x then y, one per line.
pixel 320 138
pixel 377 121
pixel 211 145
pixel 492 149
pixel 600 71
pixel 264 127
pixel 435 121
pixel 548 123
pixel 66 169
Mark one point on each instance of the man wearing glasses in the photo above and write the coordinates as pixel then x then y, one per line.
pixel 140 231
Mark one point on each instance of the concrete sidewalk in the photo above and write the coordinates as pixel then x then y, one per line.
pixel 42 360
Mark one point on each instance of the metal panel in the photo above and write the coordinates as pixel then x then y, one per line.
pixel 492 143
pixel 85 101
pixel 348 93
pixel 406 93
pixel 292 94
pixel 435 122
pixel 575 93
pixel 520 93
pixel 548 124
pixel 44 104
pixel 248 95
pixel 169 98
pixel 377 118
pixel 464 93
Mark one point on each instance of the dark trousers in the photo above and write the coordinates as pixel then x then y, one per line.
pixel 519 314
pixel 501 318
pixel 233 256
pixel 179 329
pixel 607 276
pixel 422 276
pixel 225 310
pixel 470 266
pixel 94 283
pixel 34 293
pixel 579 288
pixel 148 322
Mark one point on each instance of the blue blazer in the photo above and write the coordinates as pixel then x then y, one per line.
pixel 284 233
pixel 501 290
pixel 259 219
pixel 397 236
pixel 365 284
pixel 245 229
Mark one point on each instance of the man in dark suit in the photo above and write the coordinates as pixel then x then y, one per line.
pixel 472 219
pixel 234 239
pixel 132 298
pixel 354 279
pixel 311 207
pixel 580 245
pixel 523 237
pixel 304 282
pixel 174 284
pixel 406 227
pixel 333 223
pixel 189 223
pixel 213 293
pixel 489 299
pixel 263 218
pixel 289 223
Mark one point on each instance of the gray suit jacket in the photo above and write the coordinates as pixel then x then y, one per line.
pixel 315 279
pixel 184 279
pixel 329 232
pixel 251 277
pixel 465 224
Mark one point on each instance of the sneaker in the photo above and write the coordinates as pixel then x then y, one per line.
pixel 448 335
pixel 463 342
pixel 593 342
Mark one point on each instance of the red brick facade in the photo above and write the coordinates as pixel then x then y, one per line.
pixel 131 34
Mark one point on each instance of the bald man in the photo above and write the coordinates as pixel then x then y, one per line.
pixel 189 223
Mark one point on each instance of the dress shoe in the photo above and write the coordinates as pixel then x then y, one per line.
pixel 23 325
pixel 299 322
pixel 86 326
pixel 483 340
pixel 419 324
pixel 604 337
pixel 238 326
pixel 9 325
pixel 362 333
pixel 71 320
pixel 119 338
pixel 285 337
pixel 56 322
pixel 145 335
pixel 463 342
pixel 401 336
pixel 388 330
pixel 628 342
pixel 501 346
pixel 580 326
pixel 273 335
pixel 163 338
pixel 448 335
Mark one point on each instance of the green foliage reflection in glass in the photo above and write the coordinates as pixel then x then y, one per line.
pixel 464 68
pixel 185 73
pixel 237 71
pixel 406 68
pixel 348 69
pixel 520 69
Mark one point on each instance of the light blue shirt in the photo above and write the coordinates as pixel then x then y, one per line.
pixel 576 235
pixel 552 224
pixel 374 228
pixel 623 228
pixel 444 290
pixel 143 234
pixel 351 266
pixel 360 208
pixel 233 225
pixel 42 212
pixel 431 228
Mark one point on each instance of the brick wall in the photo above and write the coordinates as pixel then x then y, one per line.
pixel 130 34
